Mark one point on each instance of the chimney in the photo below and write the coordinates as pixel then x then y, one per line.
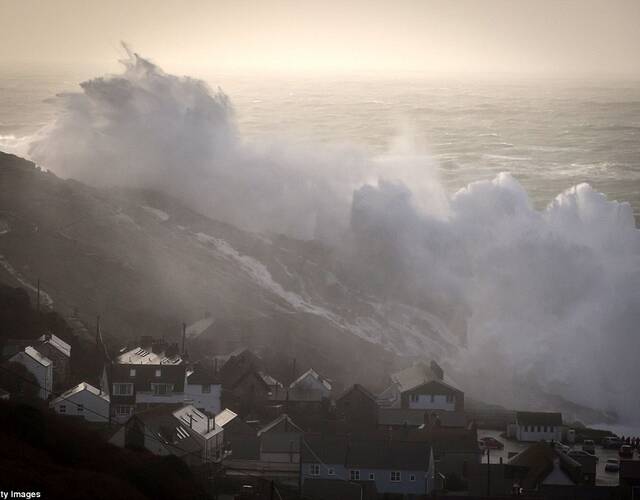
pixel 190 421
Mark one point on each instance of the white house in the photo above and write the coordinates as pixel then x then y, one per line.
pixel 39 366
pixel 203 391
pixel 537 426
pixel 85 401
pixel 204 429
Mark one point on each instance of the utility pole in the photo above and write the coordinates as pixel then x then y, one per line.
pixel 488 472
pixel 184 334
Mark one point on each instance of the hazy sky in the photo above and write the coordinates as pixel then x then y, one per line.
pixel 517 36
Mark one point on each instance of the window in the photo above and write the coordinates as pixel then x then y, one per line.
pixel 314 469
pixel 158 372
pixel 433 398
pixel 80 408
pixel 414 398
pixel 395 476
pixel 331 471
pixel 124 411
pixel 412 477
pixel 161 389
pixel 545 428
pixel 372 476
pixel 62 408
pixel 449 398
pixel 132 372
pixel 206 388
pixel 354 475
pixel 122 389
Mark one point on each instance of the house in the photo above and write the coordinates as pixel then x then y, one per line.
pixel 422 387
pixel 310 386
pixel 398 418
pixel 546 467
pixel 537 426
pixel 455 449
pixel 150 374
pixel 272 453
pixel 396 467
pixel 59 352
pixel 204 429
pixel 203 390
pixel 629 479
pixel 84 401
pixel 39 366
pixel 358 407
pixel 159 432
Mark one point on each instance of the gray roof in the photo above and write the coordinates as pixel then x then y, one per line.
pixel 56 342
pixel 280 442
pixel 369 454
pixel 538 418
pixel 388 455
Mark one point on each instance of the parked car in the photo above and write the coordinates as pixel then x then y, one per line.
pixel 612 465
pixel 490 443
pixel 589 446
pixel 581 453
pixel 625 451
pixel 611 443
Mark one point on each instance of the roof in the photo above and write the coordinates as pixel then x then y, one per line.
pixel 56 342
pixel 449 440
pixel 541 459
pixel 359 388
pixel 538 418
pixel 140 356
pixel 201 375
pixel 400 416
pixel 268 379
pixel 396 455
pixel 311 373
pixel 415 375
pixel 35 355
pixel 194 419
pixel 366 454
pixel 160 423
pixel 324 448
pixel 284 418
pixel 434 387
pixel 280 442
pixel 224 417
pixel 82 386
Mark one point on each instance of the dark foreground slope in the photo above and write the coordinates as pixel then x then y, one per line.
pixel 44 453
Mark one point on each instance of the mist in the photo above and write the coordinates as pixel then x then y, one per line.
pixel 552 295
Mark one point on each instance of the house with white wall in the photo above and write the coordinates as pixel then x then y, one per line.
pixel 59 352
pixel 203 390
pixel 533 426
pixel 396 467
pixel 39 366
pixel 204 429
pixel 422 387
pixel 84 401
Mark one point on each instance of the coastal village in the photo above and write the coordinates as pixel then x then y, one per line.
pixel 249 434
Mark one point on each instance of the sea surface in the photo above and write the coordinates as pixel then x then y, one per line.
pixel 550 134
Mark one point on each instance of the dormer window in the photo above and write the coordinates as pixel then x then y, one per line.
pixel 132 372
pixel 158 372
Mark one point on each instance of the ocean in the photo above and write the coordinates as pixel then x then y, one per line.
pixel 550 134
